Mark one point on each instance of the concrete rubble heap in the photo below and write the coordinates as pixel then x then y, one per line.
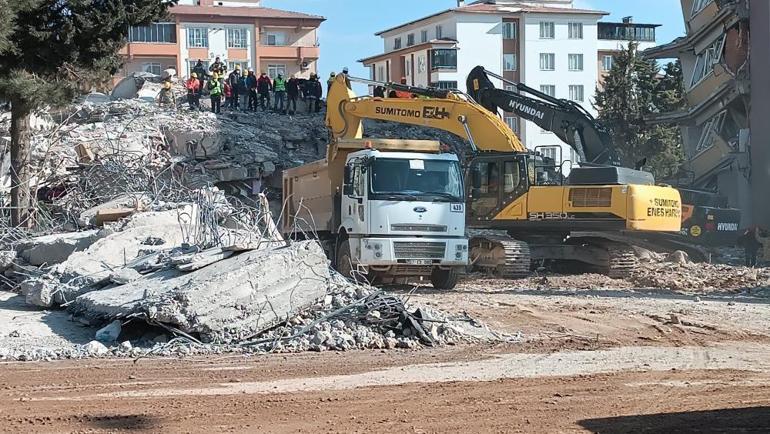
pixel 150 219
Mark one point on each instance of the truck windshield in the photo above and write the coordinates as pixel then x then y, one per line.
pixel 428 180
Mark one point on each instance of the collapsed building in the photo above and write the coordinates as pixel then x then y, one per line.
pixel 723 125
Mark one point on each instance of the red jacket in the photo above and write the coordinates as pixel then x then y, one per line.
pixel 228 90
pixel 193 85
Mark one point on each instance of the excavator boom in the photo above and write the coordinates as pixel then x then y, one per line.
pixel 568 120
pixel 452 113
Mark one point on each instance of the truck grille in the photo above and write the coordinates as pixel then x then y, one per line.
pixel 591 197
pixel 418 228
pixel 405 250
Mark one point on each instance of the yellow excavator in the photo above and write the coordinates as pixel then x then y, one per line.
pixel 520 207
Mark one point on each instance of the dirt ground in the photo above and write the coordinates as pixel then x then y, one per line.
pixel 597 360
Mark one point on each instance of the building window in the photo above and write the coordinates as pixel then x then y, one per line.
pixel 626 32
pixel 510 62
pixel 397 44
pixel 439 32
pixel 576 92
pixel 159 32
pixel 381 73
pixel 198 37
pixel 408 67
pixel 444 58
pixel 711 130
pixel 576 30
pixel 274 70
pixel 513 123
pixel 547 30
pixel 445 85
pixel 607 62
pixel 575 62
pixel 152 68
pixel 242 64
pixel 237 38
pixel 410 39
pixel 511 88
pixel 704 64
pixel 548 89
pixel 547 61
pixel 510 30
pixel 277 39
pixel 424 36
pixel 699 5
pixel 551 152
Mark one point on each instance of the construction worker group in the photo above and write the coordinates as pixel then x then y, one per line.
pixel 243 90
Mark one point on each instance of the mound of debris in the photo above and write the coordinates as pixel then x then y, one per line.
pixel 700 278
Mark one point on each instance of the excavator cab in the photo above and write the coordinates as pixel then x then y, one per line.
pixel 494 181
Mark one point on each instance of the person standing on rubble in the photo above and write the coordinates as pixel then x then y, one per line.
pixel 193 86
pixel 750 240
pixel 218 67
pixel 200 71
pixel 166 96
pixel 292 90
pixel 264 86
pixel 279 90
pixel 233 80
pixel 215 92
pixel 243 91
pixel 330 81
pixel 251 84
pixel 314 92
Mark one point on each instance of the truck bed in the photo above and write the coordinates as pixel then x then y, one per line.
pixel 304 188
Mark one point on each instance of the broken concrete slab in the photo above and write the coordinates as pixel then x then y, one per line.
pixel 196 144
pixel 55 249
pixel 106 215
pixel 96 264
pixel 231 300
pixel 136 201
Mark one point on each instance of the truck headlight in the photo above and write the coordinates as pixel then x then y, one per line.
pixel 377 246
pixel 459 255
pixel 378 255
pixel 459 247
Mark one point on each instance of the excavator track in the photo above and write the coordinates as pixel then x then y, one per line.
pixel 501 255
pixel 622 261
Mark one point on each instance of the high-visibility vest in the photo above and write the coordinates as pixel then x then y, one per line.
pixel 279 85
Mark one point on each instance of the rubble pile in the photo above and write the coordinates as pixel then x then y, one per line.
pixel 159 220
pixel 690 277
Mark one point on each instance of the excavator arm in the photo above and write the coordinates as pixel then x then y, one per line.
pixel 568 120
pixel 443 110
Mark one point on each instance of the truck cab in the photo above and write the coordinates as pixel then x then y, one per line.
pixel 390 209
pixel 403 215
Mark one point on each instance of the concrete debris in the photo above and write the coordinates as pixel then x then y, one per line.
pixel 55 249
pixel 689 277
pixel 227 301
pixel 96 348
pixel 109 333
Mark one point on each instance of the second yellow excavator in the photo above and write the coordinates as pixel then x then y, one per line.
pixel 520 207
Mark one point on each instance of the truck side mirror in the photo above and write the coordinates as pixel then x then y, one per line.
pixel 476 178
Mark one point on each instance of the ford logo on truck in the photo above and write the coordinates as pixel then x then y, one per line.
pixel 420 209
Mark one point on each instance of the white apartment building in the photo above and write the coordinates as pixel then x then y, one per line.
pixel 548 45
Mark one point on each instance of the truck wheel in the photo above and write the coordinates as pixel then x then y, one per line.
pixel 444 279
pixel 344 262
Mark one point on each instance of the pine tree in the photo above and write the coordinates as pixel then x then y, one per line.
pixel 52 47
pixel 633 90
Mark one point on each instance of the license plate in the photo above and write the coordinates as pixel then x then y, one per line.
pixel 419 262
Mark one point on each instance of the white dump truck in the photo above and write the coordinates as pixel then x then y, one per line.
pixel 389 209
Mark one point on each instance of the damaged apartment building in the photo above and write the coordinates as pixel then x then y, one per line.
pixel 724 122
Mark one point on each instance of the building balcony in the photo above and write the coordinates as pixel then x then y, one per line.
pixel 289 52
pixel 149 49
pixel 710 158
pixel 703 17
pixel 709 86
